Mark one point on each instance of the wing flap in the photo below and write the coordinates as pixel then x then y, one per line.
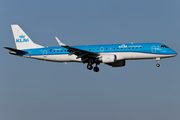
pixel 80 51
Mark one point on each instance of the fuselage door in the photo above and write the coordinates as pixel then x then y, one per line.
pixel 44 53
pixel 153 48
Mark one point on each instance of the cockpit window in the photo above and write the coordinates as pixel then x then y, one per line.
pixel 164 46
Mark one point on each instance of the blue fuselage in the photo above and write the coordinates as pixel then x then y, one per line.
pixel 148 48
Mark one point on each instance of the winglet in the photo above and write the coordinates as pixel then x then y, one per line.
pixel 60 43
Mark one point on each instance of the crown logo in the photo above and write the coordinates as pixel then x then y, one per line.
pixel 22 36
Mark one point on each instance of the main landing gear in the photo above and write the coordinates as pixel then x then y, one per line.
pixel 157 62
pixel 96 69
pixel 90 67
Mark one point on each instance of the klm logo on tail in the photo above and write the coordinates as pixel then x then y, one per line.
pixel 22 39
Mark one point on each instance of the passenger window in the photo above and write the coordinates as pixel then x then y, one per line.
pixel 93 49
pixel 106 48
pixel 114 48
pixel 57 50
pixel 129 47
pixel 101 48
pixel 89 49
pixel 140 47
pixel 121 48
pixel 136 47
pixel 53 50
pixel 110 48
pixel 50 50
pixel 61 50
pixel 132 47
pixel 65 50
pixel 118 48
pixel 97 49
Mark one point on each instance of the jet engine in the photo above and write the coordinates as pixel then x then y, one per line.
pixel 112 61
pixel 119 63
pixel 109 58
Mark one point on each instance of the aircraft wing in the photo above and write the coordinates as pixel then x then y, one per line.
pixel 78 52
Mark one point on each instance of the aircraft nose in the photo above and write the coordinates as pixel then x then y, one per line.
pixel 174 52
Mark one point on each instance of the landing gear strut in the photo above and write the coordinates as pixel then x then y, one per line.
pixel 157 61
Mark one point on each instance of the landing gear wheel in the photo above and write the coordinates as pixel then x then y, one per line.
pixel 157 62
pixel 89 67
pixel 158 65
pixel 96 69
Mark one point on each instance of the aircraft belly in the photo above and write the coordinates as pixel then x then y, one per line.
pixel 147 55
pixel 58 58
pixel 123 55
pixel 137 55
pixel 66 58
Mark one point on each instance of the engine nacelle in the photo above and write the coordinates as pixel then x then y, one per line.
pixel 112 61
pixel 109 58
pixel 119 63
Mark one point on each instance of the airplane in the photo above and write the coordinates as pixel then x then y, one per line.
pixel 114 55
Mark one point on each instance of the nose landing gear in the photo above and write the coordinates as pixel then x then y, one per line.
pixel 157 61
pixel 158 65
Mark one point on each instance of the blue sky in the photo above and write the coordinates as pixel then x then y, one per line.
pixel 33 89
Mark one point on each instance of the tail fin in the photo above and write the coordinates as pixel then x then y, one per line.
pixel 22 40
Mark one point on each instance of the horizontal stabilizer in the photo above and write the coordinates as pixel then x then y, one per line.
pixel 15 50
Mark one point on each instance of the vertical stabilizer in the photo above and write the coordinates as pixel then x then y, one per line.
pixel 22 41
